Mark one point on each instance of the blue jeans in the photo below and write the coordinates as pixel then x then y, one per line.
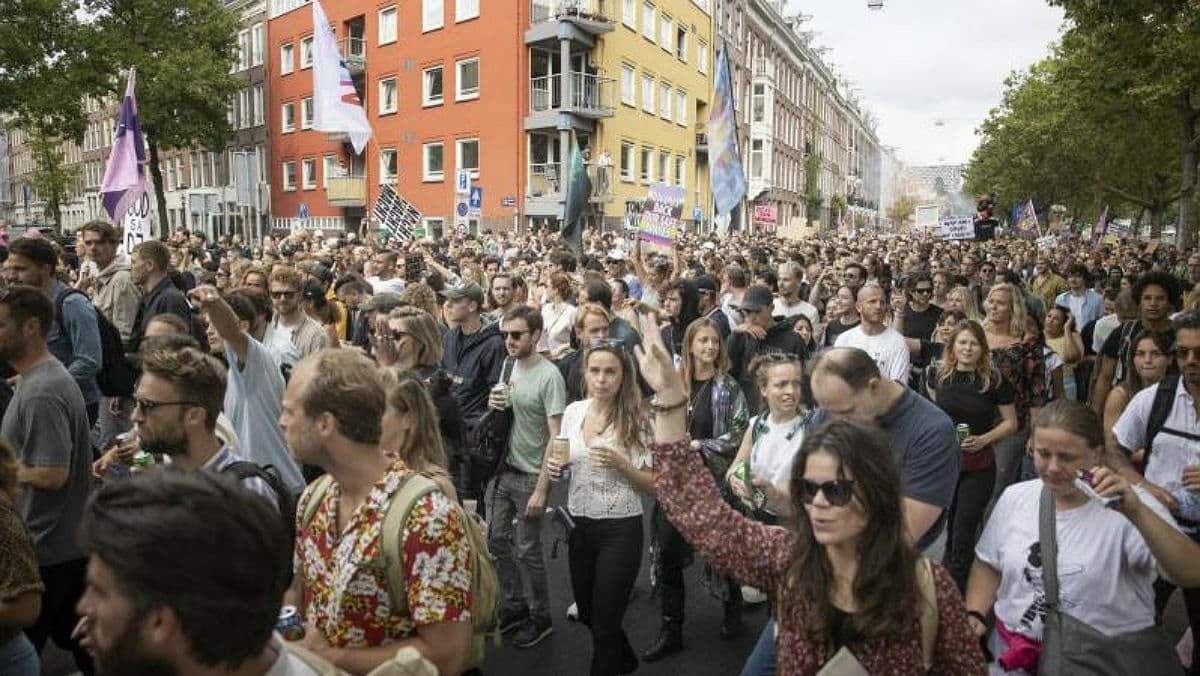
pixel 18 658
pixel 762 659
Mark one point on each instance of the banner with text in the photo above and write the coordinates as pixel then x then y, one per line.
pixel 956 227
pixel 661 223
pixel 395 214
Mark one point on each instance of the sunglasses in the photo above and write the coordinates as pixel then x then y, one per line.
pixel 837 493
pixel 277 295
pixel 514 335
pixel 923 289
pixel 148 405
pixel 1187 352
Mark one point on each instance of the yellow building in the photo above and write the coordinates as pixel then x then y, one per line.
pixel 636 98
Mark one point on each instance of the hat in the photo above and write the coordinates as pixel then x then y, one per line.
pixel 757 297
pixel 616 255
pixel 706 283
pixel 383 302
pixel 468 290
pixel 709 246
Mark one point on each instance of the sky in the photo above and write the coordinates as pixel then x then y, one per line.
pixel 918 61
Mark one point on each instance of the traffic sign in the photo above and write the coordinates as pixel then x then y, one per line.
pixel 462 182
pixel 697 214
pixel 508 201
pixel 462 209
pixel 476 201
pixel 303 211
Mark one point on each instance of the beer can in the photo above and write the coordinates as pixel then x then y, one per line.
pixel 289 625
pixel 963 430
pixel 141 461
pixel 560 453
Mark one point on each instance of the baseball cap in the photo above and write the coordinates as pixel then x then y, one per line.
pixel 757 297
pixel 706 283
pixel 616 255
pixel 469 291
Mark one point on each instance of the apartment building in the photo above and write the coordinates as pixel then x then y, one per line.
pixel 6 193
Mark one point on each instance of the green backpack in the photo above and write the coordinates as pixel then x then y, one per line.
pixel 485 582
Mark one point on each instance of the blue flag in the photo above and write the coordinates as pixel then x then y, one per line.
pixel 726 176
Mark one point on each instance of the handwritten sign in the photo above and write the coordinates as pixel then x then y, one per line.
pixel 661 220
pixel 138 223
pixel 957 227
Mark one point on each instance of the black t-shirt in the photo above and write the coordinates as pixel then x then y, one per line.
pixel 700 422
pixel 920 326
pixel 836 328
pixel 961 399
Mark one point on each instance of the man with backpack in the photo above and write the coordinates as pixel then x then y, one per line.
pixel 384 559
pixel 1157 296
pixel 1164 421
pixel 74 337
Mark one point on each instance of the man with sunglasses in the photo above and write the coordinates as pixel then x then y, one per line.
pixel 915 320
pixel 46 422
pixel 292 334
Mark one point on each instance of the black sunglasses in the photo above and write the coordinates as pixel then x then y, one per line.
pixel 838 492
pixel 923 289
pixel 283 294
pixel 148 405
pixel 515 335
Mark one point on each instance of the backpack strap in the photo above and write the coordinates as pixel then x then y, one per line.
pixel 928 616
pixel 311 499
pixel 412 489
pixel 1160 410
pixel 58 305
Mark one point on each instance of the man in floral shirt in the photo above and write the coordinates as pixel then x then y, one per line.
pixel 331 418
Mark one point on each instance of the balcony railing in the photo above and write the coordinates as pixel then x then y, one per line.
pixel 701 138
pixel 591 95
pixel 347 191
pixel 764 67
pixel 589 11
pixel 354 53
pixel 545 180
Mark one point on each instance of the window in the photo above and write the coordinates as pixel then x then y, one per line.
pixel 431 94
pixel 466 9
pixel 756 158
pixel 433 13
pixel 257 40
pixel 629 13
pixel 628 86
pixel 260 106
pixel 681 43
pixel 666 33
pixel 387 96
pixel 702 56
pixel 648 93
pixel 680 170
pixel 287 55
pixel 647 161
pixel 329 169
pixel 626 161
pixel 681 105
pixel 243 60
pixel 433 162
pixel 245 115
pixel 434 226
pixel 309 173
pixel 288 118
pixel 306 52
pixel 466 80
pixel 758 106
pixel 648 21
pixel 664 167
pixel 387 25
pixel 466 155
pixel 289 176
pixel 664 101
pixel 306 108
pixel 388 166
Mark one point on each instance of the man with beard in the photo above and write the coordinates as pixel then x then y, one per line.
pixel 885 345
pixel 143 536
pixel 46 422
pixel 178 400
pixel 502 297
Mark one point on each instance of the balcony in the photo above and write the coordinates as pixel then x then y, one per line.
pixel 764 68
pixel 701 140
pixel 347 191
pixel 354 54
pixel 591 98
pixel 578 20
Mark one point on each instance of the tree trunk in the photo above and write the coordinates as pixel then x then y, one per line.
pixel 160 197
pixel 1157 212
pixel 1186 231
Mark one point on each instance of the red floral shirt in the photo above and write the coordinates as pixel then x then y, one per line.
pixel 344 578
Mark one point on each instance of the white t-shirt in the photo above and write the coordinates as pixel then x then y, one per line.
pixel 556 326
pixel 1171 453
pixel 802 307
pixel 253 400
pixel 1105 569
pixel 596 492
pixel 888 349
pixel 278 342
pixel 393 285
pixel 775 449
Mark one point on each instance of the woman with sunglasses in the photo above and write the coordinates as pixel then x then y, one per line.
pixel 967 386
pixel 843 580
pixel 1108 556
pixel 608 474
pixel 717 418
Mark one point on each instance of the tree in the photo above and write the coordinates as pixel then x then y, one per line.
pixel 813 200
pixel 51 178
pixel 902 209
pixel 184 53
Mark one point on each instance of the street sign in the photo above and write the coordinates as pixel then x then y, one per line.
pixel 461 209
pixel 303 211
pixel 462 182
pixel 508 201
pixel 476 200
pixel 697 213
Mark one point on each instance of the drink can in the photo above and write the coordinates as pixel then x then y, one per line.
pixel 963 431
pixel 560 453
pixel 757 498
pixel 141 462
pixel 289 625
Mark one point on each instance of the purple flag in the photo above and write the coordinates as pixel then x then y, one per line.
pixel 124 176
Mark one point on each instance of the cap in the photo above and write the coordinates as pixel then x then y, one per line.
pixel 383 302
pixel 469 290
pixel 706 283
pixel 757 297
pixel 616 255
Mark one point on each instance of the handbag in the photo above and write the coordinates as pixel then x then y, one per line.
pixel 1071 646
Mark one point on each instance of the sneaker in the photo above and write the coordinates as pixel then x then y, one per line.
pixel 573 612
pixel 533 631
pixel 508 619
pixel 752 596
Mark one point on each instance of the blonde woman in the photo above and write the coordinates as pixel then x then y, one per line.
pixel 971 390
pixel 961 298
pixel 21 590
pixel 1019 359
pixel 409 431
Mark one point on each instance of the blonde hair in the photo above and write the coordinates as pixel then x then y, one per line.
pixel 686 368
pixel 423 449
pixel 1016 322
pixel 423 328
pixel 970 307
pixel 989 375
pixel 420 295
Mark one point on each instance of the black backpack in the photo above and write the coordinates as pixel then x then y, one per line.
pixel 285 501
pixel 1160 410
pixel 116 377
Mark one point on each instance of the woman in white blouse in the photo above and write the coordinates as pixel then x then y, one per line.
pixel 558 317
pixel 609 468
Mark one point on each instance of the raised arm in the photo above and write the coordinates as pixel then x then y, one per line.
pixel 223 319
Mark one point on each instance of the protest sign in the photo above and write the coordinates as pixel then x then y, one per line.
pixel 956 227
pixel 395 214
pixel 660 222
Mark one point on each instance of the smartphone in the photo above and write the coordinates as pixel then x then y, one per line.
pixel 1086 482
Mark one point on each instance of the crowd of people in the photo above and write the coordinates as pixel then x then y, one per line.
pixel 326 453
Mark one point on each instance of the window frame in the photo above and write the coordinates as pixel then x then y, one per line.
pixel 649 20
pixel 459 144
pixel 632 72
pixel 308 113
pixel 665 102
pixel 460 16
pixel 287 58
pixel 426 100
pixel 307 181
pixel 628 177
pixel 648 94
pixel 459 94
pixel 395 25
pixel 287 109
pixel 306 46
pixel 426 24
pixel 384 177
pixel 395 106
pixel 288 186
pixel 426 175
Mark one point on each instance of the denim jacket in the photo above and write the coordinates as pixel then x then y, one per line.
pixel 74 339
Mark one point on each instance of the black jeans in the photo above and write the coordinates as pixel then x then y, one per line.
pixel 605 555
pixel 64 585
pixel 965 516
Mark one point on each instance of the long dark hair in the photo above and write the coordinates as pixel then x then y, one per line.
pixel 885 586
pixel 689 311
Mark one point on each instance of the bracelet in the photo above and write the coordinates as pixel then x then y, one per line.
pixel 979 616
pixel 658 406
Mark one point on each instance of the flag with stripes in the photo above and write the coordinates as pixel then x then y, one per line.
pixel 726 176
pixel 336 105
pixel 124 175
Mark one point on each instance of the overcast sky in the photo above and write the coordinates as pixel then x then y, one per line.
pixel 917 61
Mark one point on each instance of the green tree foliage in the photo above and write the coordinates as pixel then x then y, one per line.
pixel 51 177
pixel 902 209
pixel 813 200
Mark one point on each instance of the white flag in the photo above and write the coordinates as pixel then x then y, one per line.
pixel 336 106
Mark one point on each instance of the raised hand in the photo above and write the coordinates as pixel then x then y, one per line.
pixel 654 360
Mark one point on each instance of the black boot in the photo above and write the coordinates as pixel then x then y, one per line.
pixel 731 622
pixel 669 642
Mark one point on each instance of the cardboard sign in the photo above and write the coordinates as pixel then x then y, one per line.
pixel 660 222
pixel 395 214
pixel 957 227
